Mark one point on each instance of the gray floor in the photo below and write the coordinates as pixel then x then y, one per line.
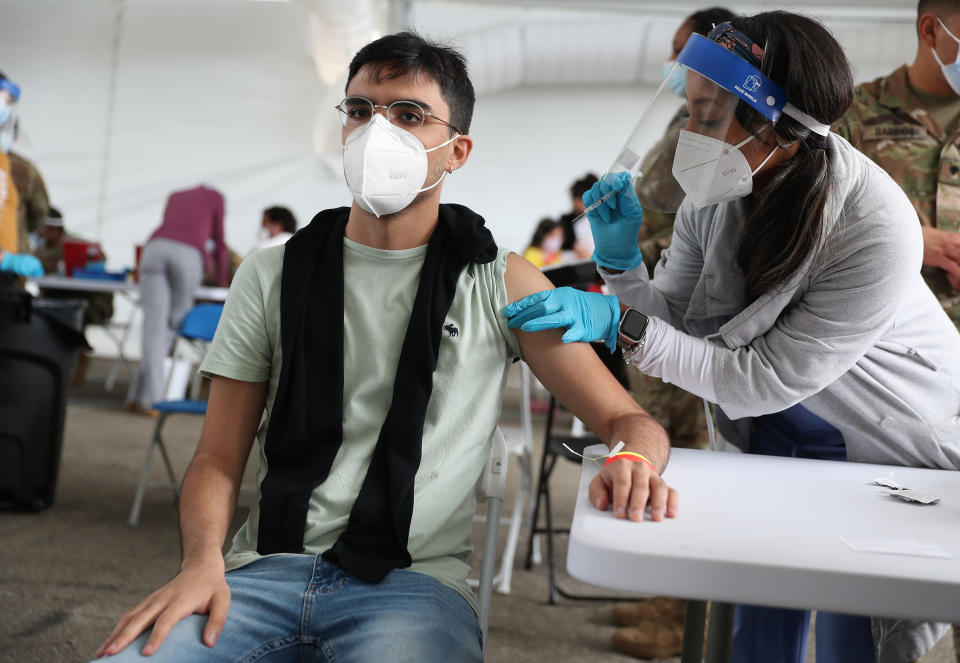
pixel 68 573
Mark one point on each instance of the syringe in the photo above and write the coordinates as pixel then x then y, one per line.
pixel 594 206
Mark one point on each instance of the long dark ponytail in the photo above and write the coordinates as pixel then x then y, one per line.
pixel 785 228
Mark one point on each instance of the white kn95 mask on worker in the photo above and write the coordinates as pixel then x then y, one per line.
pixel 710 170
pixel 386 166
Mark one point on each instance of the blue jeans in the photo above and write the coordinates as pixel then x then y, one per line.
pixel 779 635
pixel 303 608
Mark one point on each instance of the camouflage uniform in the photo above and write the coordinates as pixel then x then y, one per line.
pixel 888 123
pixel 34 203
pixel 678 411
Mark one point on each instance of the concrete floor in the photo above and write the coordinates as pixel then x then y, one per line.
pixel 69 572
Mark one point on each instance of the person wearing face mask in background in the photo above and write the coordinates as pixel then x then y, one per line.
pixel 907 122
pixel 276 227
pixel 376 343
pixel 12 263
pixel 545 244
pixel 790 296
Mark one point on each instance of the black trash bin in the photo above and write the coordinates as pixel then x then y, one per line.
pixel 39 343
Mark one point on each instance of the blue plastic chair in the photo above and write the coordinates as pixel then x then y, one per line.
pixel 198 327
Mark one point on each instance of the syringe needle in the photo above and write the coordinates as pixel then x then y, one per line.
pixel 594 206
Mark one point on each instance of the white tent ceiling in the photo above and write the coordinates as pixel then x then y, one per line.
pixel 127 100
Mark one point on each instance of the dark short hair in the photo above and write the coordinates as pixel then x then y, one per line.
pixel 409 54
pixel 939 7
pixel 54 213
pixel 581 186
pixel 704 20
pixel 545 226
pixel 282 216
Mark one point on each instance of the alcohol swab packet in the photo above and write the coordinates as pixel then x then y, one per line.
pixel 887 482
pixel 910 495
pixel 904 493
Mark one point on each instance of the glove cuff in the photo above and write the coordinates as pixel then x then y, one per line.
pixel 614 331
pixel 623 263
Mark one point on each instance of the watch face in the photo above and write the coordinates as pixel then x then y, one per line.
pixel 633 324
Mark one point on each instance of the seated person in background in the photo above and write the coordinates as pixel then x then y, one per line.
pixel 577 238
pixel 50 253
pixel 277 226
pixel 545 244
pixel 377 429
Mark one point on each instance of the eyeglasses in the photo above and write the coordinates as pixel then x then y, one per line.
pixel 357 111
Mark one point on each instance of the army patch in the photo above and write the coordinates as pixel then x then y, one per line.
pixel 893 132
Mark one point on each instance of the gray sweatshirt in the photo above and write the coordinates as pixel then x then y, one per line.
pixel 857 337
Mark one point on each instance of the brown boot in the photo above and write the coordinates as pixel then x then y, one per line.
pixel 628 614
pixel 651 638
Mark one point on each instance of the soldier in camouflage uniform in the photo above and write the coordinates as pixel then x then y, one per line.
pixel 907 122
pixel 909 128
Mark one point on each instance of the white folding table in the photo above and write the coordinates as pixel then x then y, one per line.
pixel 127 289
pixel 781 532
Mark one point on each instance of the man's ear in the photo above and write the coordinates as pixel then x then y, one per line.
pixel 927 29
pixel 459 153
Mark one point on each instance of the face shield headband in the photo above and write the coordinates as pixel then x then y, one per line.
pixel 10 87
pixel 728 69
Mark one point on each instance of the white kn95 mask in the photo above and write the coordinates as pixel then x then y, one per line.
pixel 386 166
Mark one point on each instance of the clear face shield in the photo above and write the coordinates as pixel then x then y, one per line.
pixel 709 147
pixel 9 95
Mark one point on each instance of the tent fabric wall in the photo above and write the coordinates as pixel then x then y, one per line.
pixel 229 92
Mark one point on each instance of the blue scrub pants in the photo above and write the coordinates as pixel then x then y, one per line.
pixel 779 635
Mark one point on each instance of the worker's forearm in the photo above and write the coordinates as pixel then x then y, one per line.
pixel 207 503
pixel 642 434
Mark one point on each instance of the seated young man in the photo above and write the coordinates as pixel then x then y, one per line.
pixel 376 342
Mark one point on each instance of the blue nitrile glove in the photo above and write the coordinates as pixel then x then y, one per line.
pixel 616 223
pixel 21 263
pixel 587 316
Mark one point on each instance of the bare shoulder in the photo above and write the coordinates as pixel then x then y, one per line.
pixel 523 278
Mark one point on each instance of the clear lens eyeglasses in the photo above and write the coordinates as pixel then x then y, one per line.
pixel 358 111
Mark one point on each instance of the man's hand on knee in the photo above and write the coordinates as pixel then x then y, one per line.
pixel 198 588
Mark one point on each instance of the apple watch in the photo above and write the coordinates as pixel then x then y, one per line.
pixel 632 331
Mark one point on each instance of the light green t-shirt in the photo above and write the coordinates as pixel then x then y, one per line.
pixel 475 353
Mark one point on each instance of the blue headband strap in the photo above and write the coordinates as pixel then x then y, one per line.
pixel 10 87
pixel 733 74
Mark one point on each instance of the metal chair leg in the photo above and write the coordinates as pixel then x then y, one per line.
pixel 145 473
pixel 166 461
pixel 542 488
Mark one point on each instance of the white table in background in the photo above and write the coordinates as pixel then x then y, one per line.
pixel 127 289
pixel 774 531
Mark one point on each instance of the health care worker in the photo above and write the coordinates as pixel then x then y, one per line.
pixel 10 262
pixel 791 295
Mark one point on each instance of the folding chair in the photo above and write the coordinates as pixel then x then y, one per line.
pixel 519 443
pixel 492 485
pixel 198 327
